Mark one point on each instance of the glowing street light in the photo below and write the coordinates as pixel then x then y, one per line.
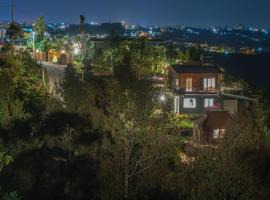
pixel 76 51
pixel 162 98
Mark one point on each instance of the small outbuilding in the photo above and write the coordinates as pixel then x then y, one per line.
pixel 210 127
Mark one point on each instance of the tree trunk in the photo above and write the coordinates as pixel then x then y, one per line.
pixel 10 113
pixel 43 76
pixel 126 171
pixel 46 55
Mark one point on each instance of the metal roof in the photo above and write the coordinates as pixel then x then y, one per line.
pixel 182 68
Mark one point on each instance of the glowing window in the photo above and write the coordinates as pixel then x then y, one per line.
pixel 208 103
pixel 189 84
pixel 189 103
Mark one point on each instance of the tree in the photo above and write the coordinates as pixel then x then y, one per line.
pixel 46 46
pixel 72 90
pixel 14 31
pixel 11 196
pixel 41 40
pixel 40 27
pixel 171 53
pixel 21 89
pixel 138 142
pixel 5 160
pixel 87 70
pixel 233 170
pixel 193 54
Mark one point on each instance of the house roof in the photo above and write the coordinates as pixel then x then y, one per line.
pixel 196 68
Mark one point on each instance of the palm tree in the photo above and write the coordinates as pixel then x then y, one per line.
pixel 82 32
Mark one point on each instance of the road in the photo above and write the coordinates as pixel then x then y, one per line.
pixel 55 74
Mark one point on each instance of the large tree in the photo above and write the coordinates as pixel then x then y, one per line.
pixel 14 31
pixel 42 41
pixel 40 27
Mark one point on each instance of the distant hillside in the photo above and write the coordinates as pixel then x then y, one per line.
pixel 254 69
pixel 104 28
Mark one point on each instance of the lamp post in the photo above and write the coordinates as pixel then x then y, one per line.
pixel 34 47
pixel 162 98
pixel 163 102
pixel 37 51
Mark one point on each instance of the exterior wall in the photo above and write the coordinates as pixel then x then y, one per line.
pixel 197 81
pixel 201 136
pixel 231 106
pixel 198 92
pixel 200 108
pixel 172 77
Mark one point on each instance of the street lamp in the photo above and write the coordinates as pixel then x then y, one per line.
pixel 163 102
pixel 76 51
pixel 37 52
pixel 162 98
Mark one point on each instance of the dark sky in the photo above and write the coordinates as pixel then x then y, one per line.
pixel 146 12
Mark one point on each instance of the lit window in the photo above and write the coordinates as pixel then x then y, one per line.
pixel 209 84
pixel 216 134
pixel 189 103
pixel 208 103
pixel 177 82
pixel 189 84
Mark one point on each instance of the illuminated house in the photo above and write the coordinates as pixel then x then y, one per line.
pixel 196 87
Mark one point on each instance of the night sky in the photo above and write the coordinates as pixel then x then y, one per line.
pixel 145 12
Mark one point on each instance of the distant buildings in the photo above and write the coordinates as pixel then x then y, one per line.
pixel 3 33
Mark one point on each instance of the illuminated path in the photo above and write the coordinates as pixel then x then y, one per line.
pixel 55 74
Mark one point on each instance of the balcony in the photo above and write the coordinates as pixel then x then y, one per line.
pixel 209 90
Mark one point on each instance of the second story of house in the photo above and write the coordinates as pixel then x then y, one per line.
pixel 195 78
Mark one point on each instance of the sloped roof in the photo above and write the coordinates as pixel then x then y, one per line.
pixel 196 68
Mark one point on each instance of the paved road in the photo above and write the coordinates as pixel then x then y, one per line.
pixel 55 74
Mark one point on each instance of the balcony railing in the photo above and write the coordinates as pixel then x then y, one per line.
pixel 199 90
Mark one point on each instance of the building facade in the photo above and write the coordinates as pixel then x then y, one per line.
pixel 196 87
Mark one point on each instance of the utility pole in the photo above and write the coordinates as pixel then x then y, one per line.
pixel 34 45
pixel 12 11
